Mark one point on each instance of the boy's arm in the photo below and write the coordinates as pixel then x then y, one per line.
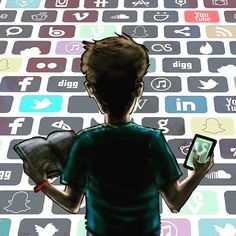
pixel 69 199
pixel 176 193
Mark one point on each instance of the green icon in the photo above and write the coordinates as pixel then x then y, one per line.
pixel 97 31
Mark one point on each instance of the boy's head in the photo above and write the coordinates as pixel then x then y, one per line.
pixel 114 68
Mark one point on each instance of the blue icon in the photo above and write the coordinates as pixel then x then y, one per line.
pixel 23 4
pixel 186 104
pixel 5 227
pixel 40 103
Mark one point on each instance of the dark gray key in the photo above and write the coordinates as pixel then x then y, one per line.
pixel 182 31
pixel 162 47
pixel 233 47
pixel 10 174
pixel 11 154
pixel 141 31
pixel 5 103
pixel 7 16
pixel 205 47
pixel 141 4
pixel 228 148
pixel 147 104
pixel 66 84
pixel 230 205
pixel 101 4
pixel 225 104
pixel 43 227
pixel 15 125
pixel 181 4
pixel 50 124
pixel 230 16
pixel 160 16
pixel 20 84
pixel 39 16
pixel 207 84
pixel 15 31
pixel 21 202
pixel 181 65
pixel 168 125
pixel 119 16
pixel 162 84
pixel 221 65
pixel 3 46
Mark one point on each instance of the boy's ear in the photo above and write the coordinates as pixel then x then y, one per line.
pixel 140 89
pixel 89 89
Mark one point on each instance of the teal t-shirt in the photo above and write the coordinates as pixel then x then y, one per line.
pixel 121 169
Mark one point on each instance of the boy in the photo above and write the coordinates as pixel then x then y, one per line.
pixel 119 166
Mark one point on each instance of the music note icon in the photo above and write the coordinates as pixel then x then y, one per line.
pixel 73 47
pixel 161 84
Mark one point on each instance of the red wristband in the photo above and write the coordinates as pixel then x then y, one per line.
pixel 38 187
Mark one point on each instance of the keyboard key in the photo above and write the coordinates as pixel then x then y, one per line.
pixel 147 104
pixel 15 31
pixel 160 16
pixel 50 124
pixel 60 211
pixel 216 226
pixel 201 16
pixel 174 226
pixel 3 46
pixel 201 203
pixel 227 148
pixel 182 31
pixel 11 154
pixel 119 16
pixel 39 16
pixel 220 174
pixel 230 16
pixel 181 4
pixel 101 3
pixel 168 125
pixel 141 31
pixel 180 147
pixel 69 48
pixel 76 65
pixel 207 84
pixel 141 4
pixel 205 47
pixel 40 103
pixel 66 84
pixel 80 16
pixel 10 174
pixel 185 104
pixel 5 226
pixel 20 84
pixel 46 65
pixel 45 226
pixel 225 104
pixel 181 65
pixel 220 3
pixel 26 48
pixel 162 47
pixel 10 64
pixel 233 47
pixel 57 31
pixel 229 202
pixel 221 31
pixel 22 4
pixel 5 103
pixel 7 16
pixel 162 84
pixel 209 126
pixel 97 31
pixel 62 3
pixel 21 202
pixel 222 65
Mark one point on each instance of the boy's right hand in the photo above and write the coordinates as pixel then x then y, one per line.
pixel 202 167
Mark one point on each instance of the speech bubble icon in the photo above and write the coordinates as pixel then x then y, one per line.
pixel 14 30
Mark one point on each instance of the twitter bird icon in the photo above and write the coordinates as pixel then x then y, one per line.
pixel 48 230
pixel 210 84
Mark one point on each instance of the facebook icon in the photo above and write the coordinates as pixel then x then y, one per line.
pixel 25 82
pixel 15 125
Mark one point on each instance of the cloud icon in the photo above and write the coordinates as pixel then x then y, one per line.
pixel 4 64
pixel 226 69
pixel 28 52
pixel 120 16
pixel 220 174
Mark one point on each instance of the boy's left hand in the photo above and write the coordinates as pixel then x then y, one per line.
pixel 38 175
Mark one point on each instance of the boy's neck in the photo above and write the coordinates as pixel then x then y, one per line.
pixel 111 120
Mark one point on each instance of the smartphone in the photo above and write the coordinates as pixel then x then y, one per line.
pixel 203 145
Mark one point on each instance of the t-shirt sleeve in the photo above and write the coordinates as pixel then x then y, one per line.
pixel 163 162
pixel 75 172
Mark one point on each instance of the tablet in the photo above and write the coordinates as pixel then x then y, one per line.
pixel 204 147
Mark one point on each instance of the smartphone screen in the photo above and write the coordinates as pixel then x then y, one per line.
pixel 203 146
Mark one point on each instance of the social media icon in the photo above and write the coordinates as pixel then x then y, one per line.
pixel 22 4
pixel 58 31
